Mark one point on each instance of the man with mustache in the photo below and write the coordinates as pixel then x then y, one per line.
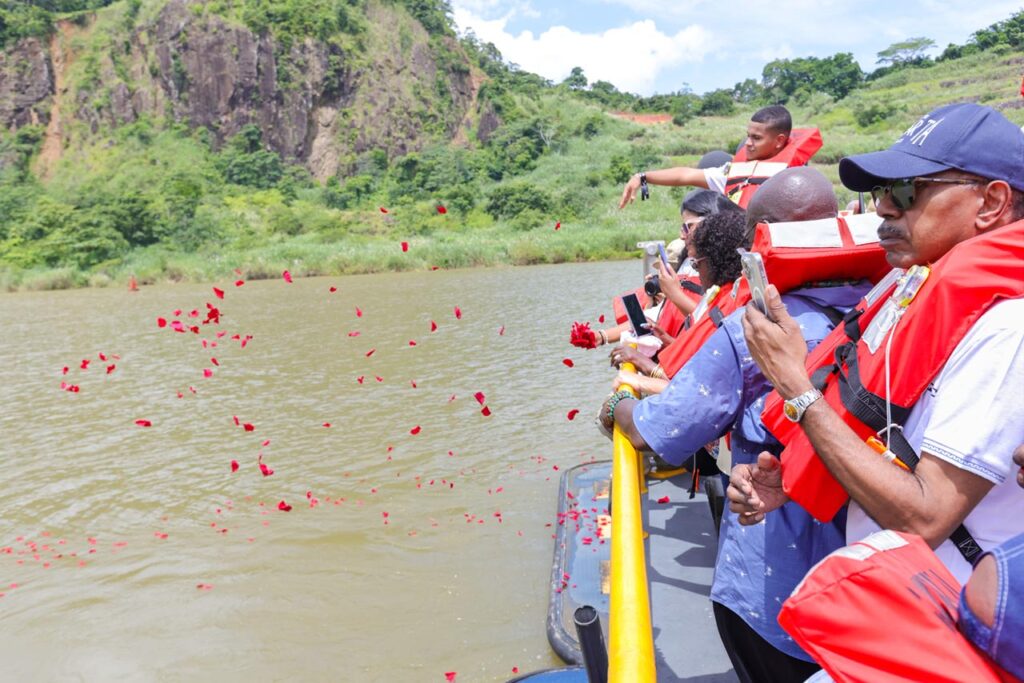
pixel 952 184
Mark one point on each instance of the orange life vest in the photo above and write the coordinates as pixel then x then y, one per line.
pixel 884 610
pixel 795 254
pixel 962 285
pixel 745 177
pixel 695 333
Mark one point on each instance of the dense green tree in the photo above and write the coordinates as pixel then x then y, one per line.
pixel 575 80
pixel 837 75
pixel 717 103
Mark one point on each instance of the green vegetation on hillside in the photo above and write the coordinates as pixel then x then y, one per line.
pixel 158 199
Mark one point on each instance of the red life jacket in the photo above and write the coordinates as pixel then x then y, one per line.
pixel 745 177
pixel 962 285
pixel 695 333
pixel 795 254
pixel 884 610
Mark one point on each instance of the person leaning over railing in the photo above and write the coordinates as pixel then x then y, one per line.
pixel 951 193
pixel 720 391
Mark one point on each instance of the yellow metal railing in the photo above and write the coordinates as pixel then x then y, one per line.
pixel 631 641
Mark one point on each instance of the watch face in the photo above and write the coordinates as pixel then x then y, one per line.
pixel 790 410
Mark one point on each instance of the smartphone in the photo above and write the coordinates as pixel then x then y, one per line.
pixel 664 254
pixel 635 312
pixel 757 279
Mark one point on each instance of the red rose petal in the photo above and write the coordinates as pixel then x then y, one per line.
pixel 265 443
pixel 207 372
pixel 284 507
pixel 235 418
pixel 327 424
pixel 600 318
pixel 219 293
pixel 249 427
pixel 287 276
pixel 558 225
pixel 215 362
pixel 332 290
pixel 383 210
pixel 433 326
pixel 161 322
pixel 371 352
pixel 266 470
pixel 664 499
pixel 485 411
pixel 450 676
pixel 204 586
pixel 480 398
pixel 572 414
pixel 234 465
pixel 239 283
pixel 413 383
pixel 412 343
pixel 501 330
pixel 85 364
pixel 144 423
pixel 359 312
pixel 458 313
pixel 415 430
pixel 567 362
pixel 360 379
pixel 354 333
pixel 405 246
pixel 177 312
pixel 64 370
pixel 441 209
pixel 111 368
pixel 378 378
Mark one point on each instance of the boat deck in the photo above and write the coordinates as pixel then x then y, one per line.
pixel 680 551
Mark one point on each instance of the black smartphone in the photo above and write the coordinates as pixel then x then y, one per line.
pixel 637 319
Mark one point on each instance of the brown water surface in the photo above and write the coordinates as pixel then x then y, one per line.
pixel 391 566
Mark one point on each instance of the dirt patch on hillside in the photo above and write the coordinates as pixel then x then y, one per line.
pixel 53 140
pixel 643 119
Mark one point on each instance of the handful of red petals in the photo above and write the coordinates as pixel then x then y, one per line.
pixel 582 336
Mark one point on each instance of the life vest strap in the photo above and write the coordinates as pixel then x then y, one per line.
pixel 716 315
pixel 691 287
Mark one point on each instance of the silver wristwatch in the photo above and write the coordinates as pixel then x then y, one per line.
pixel 795 407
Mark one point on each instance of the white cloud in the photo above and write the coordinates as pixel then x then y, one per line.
pixel 630 57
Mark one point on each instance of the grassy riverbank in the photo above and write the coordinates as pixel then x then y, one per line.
pixel 159 201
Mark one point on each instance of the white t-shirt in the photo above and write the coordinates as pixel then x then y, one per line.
pixel 972 416
pixel 716 177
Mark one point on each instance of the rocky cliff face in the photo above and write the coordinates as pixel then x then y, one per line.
pixel 315 104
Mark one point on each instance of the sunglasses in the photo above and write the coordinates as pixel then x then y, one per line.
pixel 689 226
pixel 904 190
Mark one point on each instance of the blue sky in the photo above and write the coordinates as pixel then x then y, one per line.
pixel 646 47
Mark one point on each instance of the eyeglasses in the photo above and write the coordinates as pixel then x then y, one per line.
pixel 904 190
pixel 689 226
pixel 694 261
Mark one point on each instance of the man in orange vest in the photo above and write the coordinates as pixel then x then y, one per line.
pixel 952 181
pixel 768 133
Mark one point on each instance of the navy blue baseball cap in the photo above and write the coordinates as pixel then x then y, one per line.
pixel 968 137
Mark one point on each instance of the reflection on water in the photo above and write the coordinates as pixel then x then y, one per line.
pixel 404 556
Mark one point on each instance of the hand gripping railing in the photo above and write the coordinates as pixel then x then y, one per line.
pixel 631 642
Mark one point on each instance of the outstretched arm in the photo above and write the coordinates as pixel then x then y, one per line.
pixel 672 177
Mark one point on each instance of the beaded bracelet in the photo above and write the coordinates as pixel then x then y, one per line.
pixel 614 401
pixel 604 338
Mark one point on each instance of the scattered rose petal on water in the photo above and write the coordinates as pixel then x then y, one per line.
pixel 412 342
pixel 405 246
pixel 161 322
pixel 178 326
pixel 144 423
pixel 64 370
pixel 479 396
pixel 354 333
pixel 207 372
pixel 451 398
pixel 332 289
pixel 359 312
pixel 249 427
pixel 111 368
pixel 571 415
pixel 177 312
pixel 219 293
pixel 102 356
pixel 458 313
pixel 266 470
pixel 327 424
pixel 664 499
pixel 433 326
pixel 360 379
pixel 265 443
pixel 413 383
pixel 515 669
pixel 239 283
pixel 234 465
pixel 450 676
pixel 501 331
pixel 441 209
pixel 287 277
pixel 85 364
pixel 284 507
pixel 215 362
pixel 235 418
pixel 159 534
pixel 485 411
pixel 204 586
pixel 383 210
pixel 567 362
pixel 371 352
pixel 415 430
pixel 378 378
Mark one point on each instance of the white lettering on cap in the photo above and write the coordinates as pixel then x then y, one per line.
pixel 920 131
